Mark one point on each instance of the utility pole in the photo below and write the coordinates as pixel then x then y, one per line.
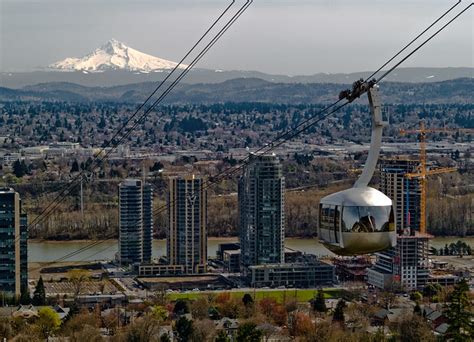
pixel 82 199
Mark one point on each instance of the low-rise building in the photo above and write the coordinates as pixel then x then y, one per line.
pixel 231 261
pixel 308 271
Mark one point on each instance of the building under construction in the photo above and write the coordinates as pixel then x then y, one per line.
pixel 406 264
pixel 405 193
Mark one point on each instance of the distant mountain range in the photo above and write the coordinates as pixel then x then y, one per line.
pixel 114 55
pixel 115 63
pixel 116 77
pixel 457 91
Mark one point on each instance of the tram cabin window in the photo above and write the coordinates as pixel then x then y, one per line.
pixel 368 219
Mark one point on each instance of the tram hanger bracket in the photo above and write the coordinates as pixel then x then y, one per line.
pixel 359 87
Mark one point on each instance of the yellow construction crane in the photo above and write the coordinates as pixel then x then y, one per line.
pixel 422 171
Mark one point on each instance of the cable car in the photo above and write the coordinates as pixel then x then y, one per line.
pixel 361 219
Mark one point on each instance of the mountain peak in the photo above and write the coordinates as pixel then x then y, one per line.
pixel 114 55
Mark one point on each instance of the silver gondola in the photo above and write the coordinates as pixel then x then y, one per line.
pixel 361 219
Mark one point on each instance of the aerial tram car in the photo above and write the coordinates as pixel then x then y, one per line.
pixel 361 219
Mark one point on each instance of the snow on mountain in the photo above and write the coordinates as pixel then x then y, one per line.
pixel 115 55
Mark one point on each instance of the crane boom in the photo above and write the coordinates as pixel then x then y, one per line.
pixel 423 172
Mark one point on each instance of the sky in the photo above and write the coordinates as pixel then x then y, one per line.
pixel 292 37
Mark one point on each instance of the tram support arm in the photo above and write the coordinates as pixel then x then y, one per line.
pixel 376 138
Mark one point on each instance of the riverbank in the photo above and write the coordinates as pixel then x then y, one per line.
pixel 44 251
pixel 224 238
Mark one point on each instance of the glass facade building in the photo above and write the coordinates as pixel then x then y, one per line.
pixel 135 222
pixel 187 223
pixel 262 211
pixel 13 243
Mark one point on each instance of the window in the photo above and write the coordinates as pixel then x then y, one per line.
pixel 368 219
pixel 329 216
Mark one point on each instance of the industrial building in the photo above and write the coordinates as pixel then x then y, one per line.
pixel 262 211
pixel 13 243
pixel 308 271
pixel 187 217
pixel 135 222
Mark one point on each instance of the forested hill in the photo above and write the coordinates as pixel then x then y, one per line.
pixel 458 91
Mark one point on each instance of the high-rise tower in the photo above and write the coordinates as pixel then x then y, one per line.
pixel 135 222
pixel 262 211
pixel 13 243
pixel 187 217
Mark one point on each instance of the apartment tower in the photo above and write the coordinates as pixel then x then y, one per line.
pixel 135 222
pixel 262 211
pixel 13 243
pixel 187 218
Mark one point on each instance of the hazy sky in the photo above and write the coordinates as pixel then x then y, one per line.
pixel 274 36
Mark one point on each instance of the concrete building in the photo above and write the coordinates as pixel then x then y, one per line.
pixel 406 264
pixel 13 243
pixel 135 222
pixel 187 217
pixel 262 211
pixel 307 272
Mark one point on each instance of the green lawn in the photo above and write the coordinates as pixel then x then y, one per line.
pixel 278 295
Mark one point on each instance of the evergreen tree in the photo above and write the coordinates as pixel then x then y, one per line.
pixel 319 303
pixel 247 299
pixel 75 166
pixel 417 309
pixel 248 332
pixel 459 314
pixel 19 168
pixel 339 311
pixel 25 295
pixel 183 329
pixel 39 296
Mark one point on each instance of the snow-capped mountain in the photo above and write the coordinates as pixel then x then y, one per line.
pixel 114 55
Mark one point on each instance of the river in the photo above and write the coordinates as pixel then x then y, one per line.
pixel 43 251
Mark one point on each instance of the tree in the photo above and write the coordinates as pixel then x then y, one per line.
pixel 222 336
pixel 459 314
pixel 417 309
pixel 339 311
pixel 413 328
pixel 19 168
pixel 299 324
pixel 247 299
pixel 159 313
pixel 75 166
pixel 48 321
pixel 165 338
pixel 200 308
pixel 143 329
pixel 203 330
pixel 318 303
pixel 183 329
pixel 25 295
pixel 86 333
pixel 78 278
pixel 180 307
pixel 248 332
pixel 39 296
